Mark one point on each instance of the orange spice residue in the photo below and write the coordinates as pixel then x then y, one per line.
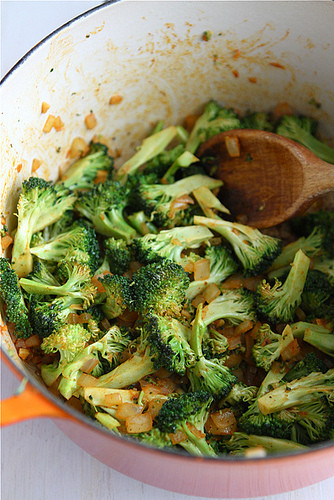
pixel 277 65
pixel 35 165
pixel 235 73
pixel 252 79
pixel 45 106
pixel 115 99
pixel 90 121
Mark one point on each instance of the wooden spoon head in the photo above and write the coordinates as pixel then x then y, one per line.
pixel 264 185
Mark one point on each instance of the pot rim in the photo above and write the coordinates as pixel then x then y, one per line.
pixel 76 415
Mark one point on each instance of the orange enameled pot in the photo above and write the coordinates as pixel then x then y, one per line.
pixel 156 59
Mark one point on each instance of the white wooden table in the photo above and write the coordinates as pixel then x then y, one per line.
pixel 38 461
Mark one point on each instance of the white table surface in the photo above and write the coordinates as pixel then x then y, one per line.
pixel 38 461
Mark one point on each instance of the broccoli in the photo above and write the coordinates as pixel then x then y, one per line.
pixel 269 345
pixel 168 341
pixel 150 147
pixel 166 204
pixel 313 421
pixel 214 119
pixel 256 251
pixel 181 413
pixel 11 294
pixel 169 244
pixel 117 295
pixel 241 393
pixel 297 392
pixel 154 438
pixel 81 174
pixel 222 265
pixel 279 302
pixel 317 291
pixel 107 349
pixel 77 244
pixel 62 225
pixel 141 223
pixel 118 255
pixel 69 340
pixel 163 161
pixel 209 203
pixel 215 345
pixel 40 204
pixel 312 246
pixel 235 306
pixel 310 363
pixel 257 121
pixel 208 375
pixel 159 287
pixel 104 206
pixel 321 337
pixel 301 129
pixel 303 226
pixel 183 161
pixel 240 442
pixel 326 266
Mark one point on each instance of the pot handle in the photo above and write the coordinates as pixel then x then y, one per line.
pixel 30 403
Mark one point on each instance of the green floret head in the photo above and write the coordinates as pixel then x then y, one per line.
pixel 78 244
pixel 279 302
pixel 269 345
pixel 313 422
pixel 302 129
pixel 117 296
pixel 255 251
pixel 154 438
pixel 254 422
pixel 235 306
pixel 81 174
pixel 168 343
pixel 258 121
pixel 160 163
pixel 118 255
pixel 40 204
pixel 311 363
pixel 104 206
pixel 241 393
pixel 324 220
pixel 160 288
pixel 11 294
pixel 317 291
pixel 214 119
pixel 241 442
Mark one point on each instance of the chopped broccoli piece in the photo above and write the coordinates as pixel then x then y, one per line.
pixel 183 161
pixel 269 345
pixel 256 251
pixel 326 266
pixel 311 363
pixel 118 255
pixel 104 206
pixel 235 306
pixel 214 119
pixel 241 393
pixel 11 294
pixel 209 203
pixel 141 223
pixel 317 291
pixel 117 296
pixel 168 341
pixel 222 265
pixel 313 422
pixel 154 438
pixel 258 121
pixel 161 163
pixel 208 375
pixel 159 287
pixel 279 302
pixel 81 174
pixel 169 244
pixel 40 204
pixel 181 412
pixel 302 129
pixel 240 442
pixel 321 337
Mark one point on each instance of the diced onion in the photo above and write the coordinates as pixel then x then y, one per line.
pixel 234 342
pixel 84 318
pixel 126 410
pixel 189 267
pixel 211 292
pixel 78 148
pixel 90 121
pixel 201 270
pixel 233 360
pixel 291 351
pixel 225 422
pixel 232 146
pixel 177 437
pixel 24 353
pixel 72 318
pixel 154 406
pixel 33 341
pixel 98 285
pixel 89 365
pixel 86 380
pixel 139 423
pixel 199 299
pixel 6 241
pixel 244 327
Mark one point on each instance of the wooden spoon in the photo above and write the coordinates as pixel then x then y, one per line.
pixel 273 179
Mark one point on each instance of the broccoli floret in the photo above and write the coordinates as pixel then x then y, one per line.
pixel 256 251
pixel 209 375
pixel 169 244
pixel 279 302
pixel 240 442
pixel 164 203
pixel 118 255
pixel 312 246
pixel 78 244
pixel 163 161
pixel 81 174
pixel 106 350
pixel 302 129
pixel 234 306
pixel 215 345
pixel 150 147
pixel 69 340
pixel 180 413
pixel 62 225
pixel 258 121
pixel 300 391
pixel 317 291
pixel 11 294
pixel 209 203
pixel 311 363
pixel 40 204
pixel 104 206
pixel 183 161
pixel 313 422
pixel 321 337
pixel 222 265
pixel 117 296
pixel 159 287
pixel 241 393
pixel 141 223
pixel 168 341
pixel 154 438
pixel 326 266
pixel 215 119
pixel 269 345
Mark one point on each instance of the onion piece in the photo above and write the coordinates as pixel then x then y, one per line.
pixel 201 270
pixel 86 380
pixel 126 410
pixel 225 422
pixel 139 423
pixel 211 292
pixel 233 146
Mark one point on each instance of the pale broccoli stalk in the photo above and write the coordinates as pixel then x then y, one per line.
pixel 209 203
pixel 269 345
pixel 256 251
pixel 295 393
pixel 321 337
pixel 69 340
pixel 183 161
pixel 234 306
pixel 240 443
pixel 150 147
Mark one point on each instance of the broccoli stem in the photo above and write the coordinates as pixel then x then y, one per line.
pixel 240 442
pixel 196 446
pixel 183 161
pixel 317 335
